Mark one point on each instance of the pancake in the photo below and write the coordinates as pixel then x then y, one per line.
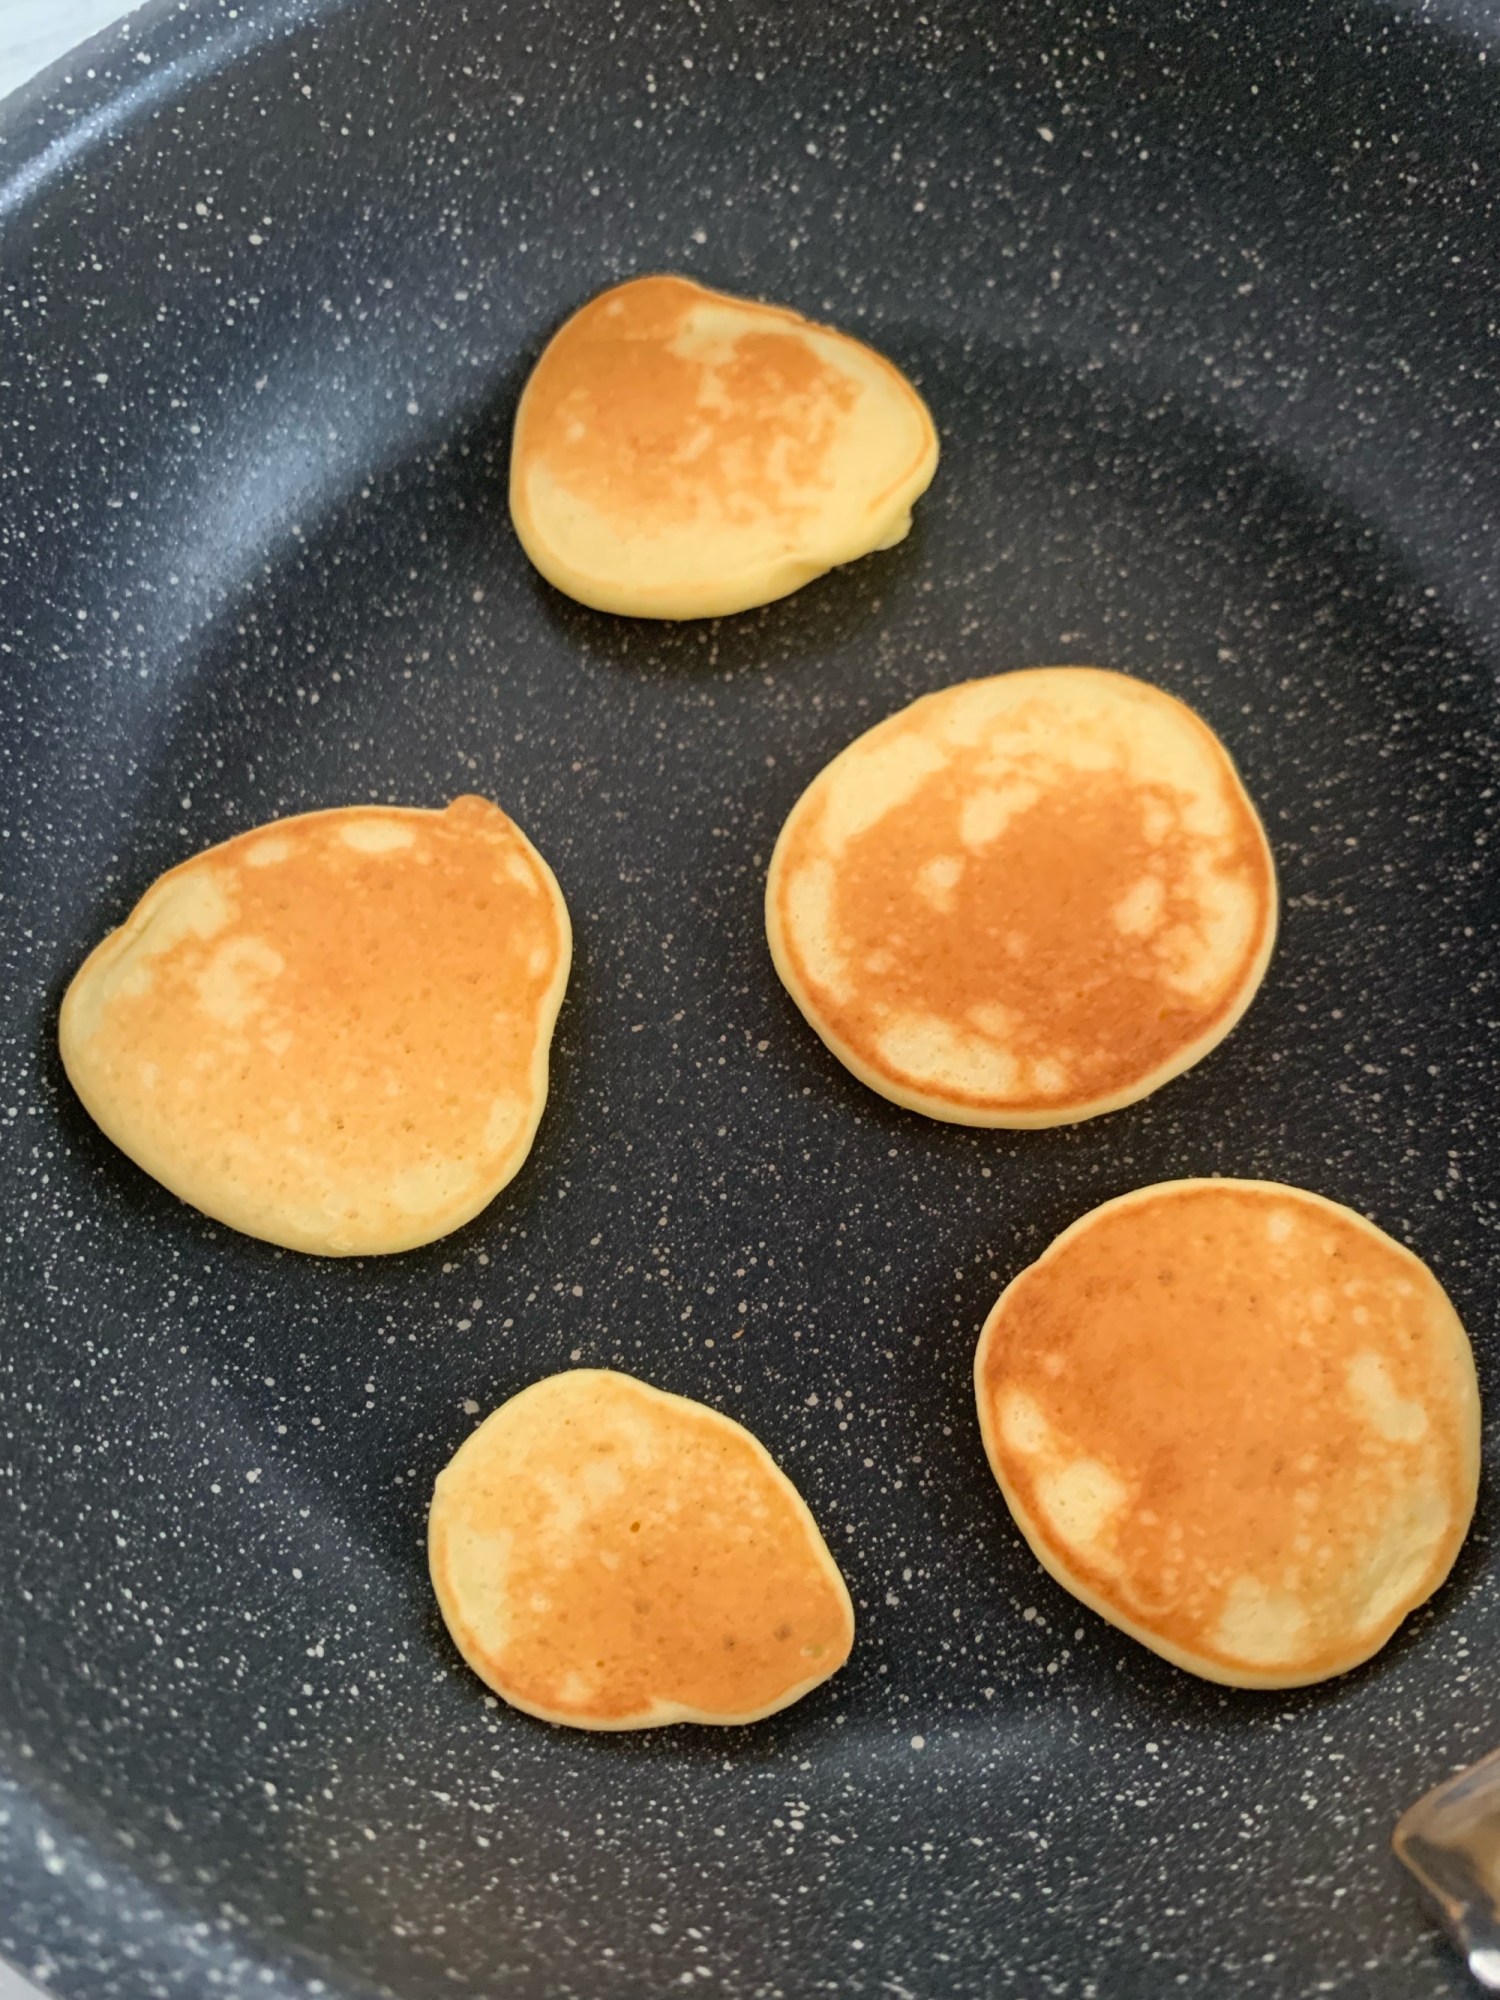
pixel 610 1556
pixel 1239 1422
pixel 680 453
pixel 331 1032
pixel 1026 900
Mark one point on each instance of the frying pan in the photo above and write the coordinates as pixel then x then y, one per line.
pixel 1204 300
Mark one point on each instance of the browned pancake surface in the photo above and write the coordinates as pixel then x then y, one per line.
pixel 1025 900
pixel 615 406
pixel 332 1031
pixel 682 453
pixel 613 1557
pixel 1239 1421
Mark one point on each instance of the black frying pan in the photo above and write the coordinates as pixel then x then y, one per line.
pixel 1204 301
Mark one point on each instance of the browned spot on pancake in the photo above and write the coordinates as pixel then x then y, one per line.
pixel 331 1031
pixel 637 428
pixel 1239 1420
pixel 1030 926
pixel 611 1556
pixel 1027 917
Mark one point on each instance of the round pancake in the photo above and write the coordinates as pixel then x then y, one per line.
pixel 1236 1420
pixel 1026 900
pixel 679 453
pixel 610 1556
pixel 332 1031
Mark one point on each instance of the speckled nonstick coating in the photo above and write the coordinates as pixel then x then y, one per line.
pixel 1217 394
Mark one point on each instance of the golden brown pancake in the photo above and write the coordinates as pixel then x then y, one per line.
pixel 613 1557
pixel 1237 1421
pixel 331 1032
pixel 680 453
pixel 1026 900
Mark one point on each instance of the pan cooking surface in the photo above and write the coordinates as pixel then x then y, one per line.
pixel 1211 386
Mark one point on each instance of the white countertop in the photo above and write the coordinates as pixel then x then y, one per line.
pixel 34 33
pixel 14 1987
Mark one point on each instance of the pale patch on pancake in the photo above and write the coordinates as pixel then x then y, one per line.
pixel 375 835
pixel 1193 956
pixel 1261 1626
pixel 986 814
pixel 877 779
pixel 810 893
pixel 1393 1416
pixel 1400 1557
pixel 937 879
pixel 428 1189
pixel 610 1556
pixel 507 1116
pixel 1023 1426
pixel 479 1566
pixel 679 453
pixel 270 852
pixel 936 1055
pixel 1115 902
pixel 1156 822
pixel 999 1023
pixel 333 1032
pixel 175 910
pixel 1139 910
pixel 1239 1422
pixel 231 986
pixel 1082 1500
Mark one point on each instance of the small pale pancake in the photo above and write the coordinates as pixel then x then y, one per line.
pixel 1237 1421
pixel 610 1556
pixel 1026 900
pixel 680 453
pixel 332 1031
